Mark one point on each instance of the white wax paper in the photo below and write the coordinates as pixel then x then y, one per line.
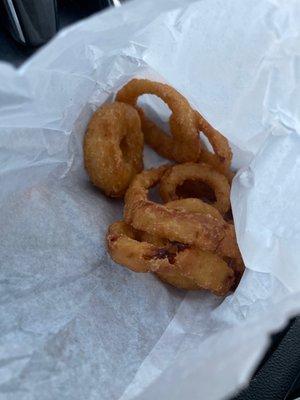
pixel 74 325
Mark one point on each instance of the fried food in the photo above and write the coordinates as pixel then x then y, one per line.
pixel 185 125
pixel 227 249
pixel 194 206
pixel 189 241
pixel 168 275
pixel 222 156
pixel 202 230
pixel 139 256
pixel 211 159
pixel 177 280
pixel 178 174
pixel 173 262
pixel 238 267
pixel 206 269
pixel 113 148
pixel 228 246
pixel 193 269
pixel 183 144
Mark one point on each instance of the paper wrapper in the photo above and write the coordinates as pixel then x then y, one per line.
pixel 73 324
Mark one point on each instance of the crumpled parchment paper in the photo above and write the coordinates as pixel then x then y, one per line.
pixel 74 325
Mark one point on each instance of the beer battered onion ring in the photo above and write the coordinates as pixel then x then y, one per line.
pixel 195 269
pixel 169 275
pixel 222 156
pixel 174 263
pixel 113 148
pixel 201 230
pixel 125 249
pixel 207 270
pixel 183 145
pixel 176 175
pixel 194 206
pixel 175 279
pixel 212 159
pixel 227 249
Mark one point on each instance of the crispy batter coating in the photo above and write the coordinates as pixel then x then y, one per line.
pixel 212 159
pixel 139 256
pixel 174 263
pixel 184 143
pixel 185 126
pixel 177 280
pixel 207 270
pixel 195 206
pixel 227 248
pixel 202 230
pixel 178 174
pixel 222 156
pixel 113 148
pixel 190 241
pixel 193 269
pixel 169 275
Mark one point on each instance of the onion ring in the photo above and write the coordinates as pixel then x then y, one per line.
pixel 206 269
pixel 221 159
pixel 202 230
pixel 195 206
pixel 211 159
pixel 192 271
pixel 170 276
pixel 138 256
pixel 113 148
pixel 176 175
pixel 237 266
pixel 192 268
pixel 227 247
pixel 183 145
pixel 177 280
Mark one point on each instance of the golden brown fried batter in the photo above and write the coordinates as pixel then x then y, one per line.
pixel 139 256
pixel 206 269
pixel 186 242
pixel 177 280
pixel 202 230
pixel 113 148
pixel 222 156
pixel 184 143
pixel 173 262
pixel 177 174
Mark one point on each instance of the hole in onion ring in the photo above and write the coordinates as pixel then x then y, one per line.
pixel 154 195
pixel 205 142
pixel 196 189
